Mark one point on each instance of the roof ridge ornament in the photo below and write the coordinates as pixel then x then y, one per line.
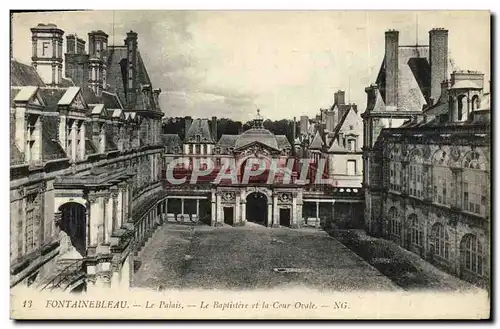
pixel 258 121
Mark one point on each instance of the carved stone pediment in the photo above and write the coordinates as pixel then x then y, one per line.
pixel 228 196
pixel 285 197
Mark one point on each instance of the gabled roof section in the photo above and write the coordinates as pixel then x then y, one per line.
pixel 52 150
pixel 69 96
pixel 199 127
pixel 24 75
pixel 335 147
pixel 26 94
pixel 226 142
pixel 283 142
pixel 51 97
pixel 171 141
pixel 118 114
pixel 317 142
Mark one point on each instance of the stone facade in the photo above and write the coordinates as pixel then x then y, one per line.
pixel 85 164
pixel 427 172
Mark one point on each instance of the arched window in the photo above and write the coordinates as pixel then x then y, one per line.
pixel 442 178
pixel 475 185
pixel 394 223
pixel 441 240
pixel 415 170
pixel 471 254
pixel 462 108
pixel 395 169
pixel 417 235
pixel 475 102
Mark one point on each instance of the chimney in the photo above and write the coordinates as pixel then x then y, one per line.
pixel 214 128
pixel 71 44
pixel 80 46
pixel 445 85
pixel 339 97
pixel 438 57
pixel 330 121
pixel 131 43
pixel 187 124
pixel 47 57
pixel 391 68
pixel 76 61
pixel 304 124
pixel 98 43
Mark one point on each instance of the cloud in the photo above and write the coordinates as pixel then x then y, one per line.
pixel 286 63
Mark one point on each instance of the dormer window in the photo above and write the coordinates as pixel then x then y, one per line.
pixel 32 138
pixel 351 145
pixel 217 150
pixel 351 127
pixel 231 149
pixel 198 138
pixel 176 149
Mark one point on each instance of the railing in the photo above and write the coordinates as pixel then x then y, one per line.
pixel 69 270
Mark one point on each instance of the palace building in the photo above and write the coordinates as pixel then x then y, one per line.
pixel 428 158
pixel 85 161
pixel 277 196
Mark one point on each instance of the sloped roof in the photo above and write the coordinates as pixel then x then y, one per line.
pixel 98 108
pixel 69 96
pixel 90 147
pixel 199 127
pixel 260 135
pixel 51 97
pixel 51 147
pixel 283 142
pixel 25 93
pixel 110 100
pixel 13 94
pixel 227 141
pixel 117 78
pixel 24 75
pixel 317 142
pixel 413 77
pixel 335 147
pixel 171 141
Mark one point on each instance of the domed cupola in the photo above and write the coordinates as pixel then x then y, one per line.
pixel 257 134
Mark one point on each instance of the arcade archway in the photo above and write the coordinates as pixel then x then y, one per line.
pixel 74 223
pixel 256 208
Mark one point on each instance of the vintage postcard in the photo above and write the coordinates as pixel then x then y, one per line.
pixel 250 165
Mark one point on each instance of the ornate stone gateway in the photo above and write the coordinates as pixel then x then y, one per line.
pixel 256 210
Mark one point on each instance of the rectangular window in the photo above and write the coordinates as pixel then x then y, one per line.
pixel 466 199
pixel 351 167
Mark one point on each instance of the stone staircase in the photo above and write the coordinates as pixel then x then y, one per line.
pixel 67 274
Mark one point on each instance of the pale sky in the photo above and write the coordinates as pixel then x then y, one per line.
pixel 286 63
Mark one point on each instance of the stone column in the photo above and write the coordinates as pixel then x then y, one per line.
pixel 269 214
pixel 333 214
pixel 115 209
pixel 220 214
pixel 197 210
pixel 109 217
pixel 237 211
pixel 182 209
pixel 82 141
pixel 299 214
pixel 95 220
pixel 243 212
pixel 317 214
pixel 119 209
pixel 276 215
pixel 294 219
pixel 166 209
pixel 74 150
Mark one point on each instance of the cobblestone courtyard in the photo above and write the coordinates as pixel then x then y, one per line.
pixel 253 256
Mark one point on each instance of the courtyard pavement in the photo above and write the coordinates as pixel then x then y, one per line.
pixel 252 257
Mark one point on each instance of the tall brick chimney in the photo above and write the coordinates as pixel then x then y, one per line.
pixel 76 61
pixel 339 97
pixel 214 128
pixel 131 43
pixel 438 56
pixel 391 68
